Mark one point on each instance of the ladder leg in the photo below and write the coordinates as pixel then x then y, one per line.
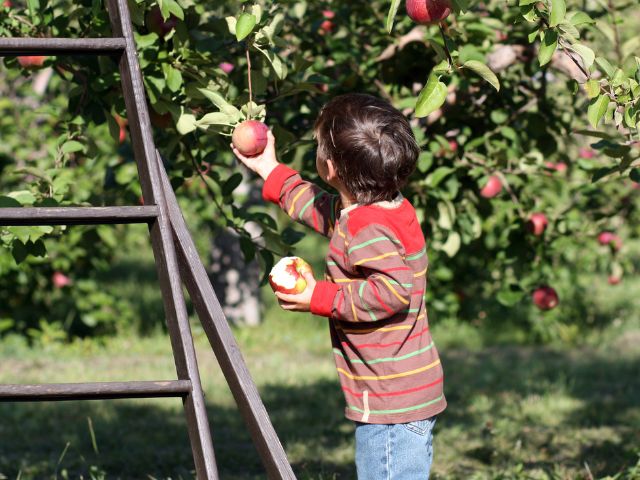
pixel 162 241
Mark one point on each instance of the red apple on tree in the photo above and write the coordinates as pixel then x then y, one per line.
pixel 537 223
pixel 585 152
pixel 287 276
pixel 122 123
pixel 60 280
pixel 545 297
pixel 250 137
pixel 428 12
pixel 31 62
pixel 157 24
pixel 6 3
pixel 610 238
pixel 226 67
pixel 614 280
pixel 492 188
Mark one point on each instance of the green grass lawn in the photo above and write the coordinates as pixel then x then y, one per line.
pixel 515 412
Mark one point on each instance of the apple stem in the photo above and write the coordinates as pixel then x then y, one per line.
pixel 250 88
pixel 446 48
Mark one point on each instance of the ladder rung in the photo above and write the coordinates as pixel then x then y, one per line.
pixel 94 391
pixel 67 46
pixel 76 215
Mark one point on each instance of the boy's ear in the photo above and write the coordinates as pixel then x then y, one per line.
pixel 332 170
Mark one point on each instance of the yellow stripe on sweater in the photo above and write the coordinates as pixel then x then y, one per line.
pixel 384 255
pixel 353 307
pixel 419 274
pixel 383 329
pixel 386 377
pixel 403 300
pixel 295 199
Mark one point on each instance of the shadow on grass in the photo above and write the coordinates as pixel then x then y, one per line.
pixel 137 439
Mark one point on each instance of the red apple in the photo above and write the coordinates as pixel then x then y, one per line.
pixel 160 120
pixel 60 280
pixel 610 238
pixel 7 3
pixel 226 67
pixel 122 123
pixel 453 145
pixel 287 276
pixel 250 137
pixel 328 14
pixel 492 188
pixel 560 167
pixel 545 298
pixel 537 223
pixel 326 27
pixel 614 280
pixel 585 152
pixel 156 24
pixel 428 12
pixel 31 62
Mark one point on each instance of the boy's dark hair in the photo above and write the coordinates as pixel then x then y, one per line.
pixel 371 144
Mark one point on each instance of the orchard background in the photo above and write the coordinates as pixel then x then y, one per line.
pixel 527 189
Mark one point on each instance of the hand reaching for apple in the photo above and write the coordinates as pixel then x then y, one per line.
pixel 262 163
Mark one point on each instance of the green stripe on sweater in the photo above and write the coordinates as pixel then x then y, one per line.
pixel 387 359
pixel 399 410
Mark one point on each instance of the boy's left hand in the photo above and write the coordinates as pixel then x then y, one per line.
pixel 300 302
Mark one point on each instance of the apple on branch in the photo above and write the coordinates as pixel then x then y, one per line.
pixel 492 188
pixel 537 223
pixel 428 12
pixel 31 62
pixel 250 137
pixel 545 297
pixel 287 276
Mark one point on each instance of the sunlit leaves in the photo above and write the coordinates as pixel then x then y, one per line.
pixel 432 96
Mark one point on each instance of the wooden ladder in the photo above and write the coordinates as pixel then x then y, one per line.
pixel 176 261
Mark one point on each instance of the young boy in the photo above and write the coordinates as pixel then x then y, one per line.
pixel 375 280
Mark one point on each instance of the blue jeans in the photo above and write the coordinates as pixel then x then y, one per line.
pixel 394 452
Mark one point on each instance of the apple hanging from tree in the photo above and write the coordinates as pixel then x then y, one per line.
pixel 157 24
pixel 545 297
pixel 287 276
pixel 226 67
pixel 122 123
pixel 428 12
pixel 492 188
pixel 250 137
pixel 537 223
pixel 31 62
pixel 60 280
pixel 610 238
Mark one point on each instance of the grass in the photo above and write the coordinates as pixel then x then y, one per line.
pixel 515 412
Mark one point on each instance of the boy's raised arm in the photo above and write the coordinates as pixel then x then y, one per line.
pixel 303 201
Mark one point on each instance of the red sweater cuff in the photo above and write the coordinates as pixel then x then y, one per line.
pixel 322 298
pixel 274 182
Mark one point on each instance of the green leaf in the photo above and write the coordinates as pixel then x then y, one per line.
pixel 523 3
pixel 558 12
pixel 291 236
pixel 245 25
pixel 631 115
pixel 231 184
pixel 484 71
pixel 215 118
pixel 635 175
pixel 510 296
pixel 597 109
pixel 392 14
pixel 586 53
pixel 248 249
pixel 231 24
pixel 547 46
pixel 452 245
pixel 431 97
pixel 438 175
pixel 592 87
pixel 186 123
pixel 72 146
pixel 605 66
pixel 602 172
pixel 579 18
pixel 173 77
pixel 8 202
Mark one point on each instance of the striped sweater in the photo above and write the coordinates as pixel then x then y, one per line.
pixel 374 297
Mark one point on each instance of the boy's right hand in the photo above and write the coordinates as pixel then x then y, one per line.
pixel 264 163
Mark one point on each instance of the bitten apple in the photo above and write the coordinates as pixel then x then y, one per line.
pixel 545 297
pixel 428 12
pixel 250 137
pixel 537 223
pixel 492 188
pixel 287 276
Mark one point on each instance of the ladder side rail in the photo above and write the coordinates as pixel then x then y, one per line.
pixel 61 46
pixel 162 242
pixel 223 342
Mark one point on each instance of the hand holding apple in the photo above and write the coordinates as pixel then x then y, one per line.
pixel 262 163
pixel 293 282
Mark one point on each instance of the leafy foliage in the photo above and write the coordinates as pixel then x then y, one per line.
pixel 513 90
